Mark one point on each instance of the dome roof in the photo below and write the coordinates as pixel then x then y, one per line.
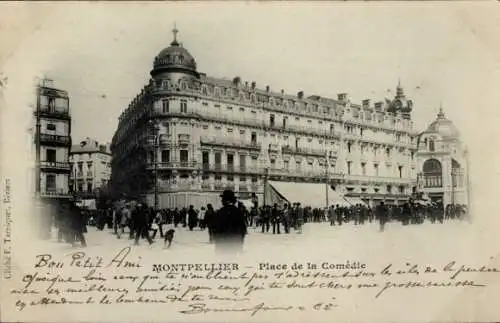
pixel 175 57
pixel 443 127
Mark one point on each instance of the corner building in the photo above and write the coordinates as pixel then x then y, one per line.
pixel 443 161
pixel 187 136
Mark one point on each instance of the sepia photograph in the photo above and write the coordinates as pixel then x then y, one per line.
pixel 249 161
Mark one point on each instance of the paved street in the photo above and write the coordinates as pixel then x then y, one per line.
pixel 316 241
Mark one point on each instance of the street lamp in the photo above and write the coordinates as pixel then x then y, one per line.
pixel 155 138
pixel 266 175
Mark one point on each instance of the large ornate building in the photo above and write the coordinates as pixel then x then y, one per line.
pixel 187 136
pixel 442 159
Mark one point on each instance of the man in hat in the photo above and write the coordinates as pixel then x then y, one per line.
pixel 141 223
pixel 229 225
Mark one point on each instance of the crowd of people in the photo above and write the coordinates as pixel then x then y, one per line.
pixel 230 222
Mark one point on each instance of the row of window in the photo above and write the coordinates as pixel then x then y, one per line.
pixel 272 117
pixel 376 168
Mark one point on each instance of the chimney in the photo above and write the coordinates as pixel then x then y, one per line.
pixel 253 85
pixel 267 88
pixel 366 103
pixel 282 91
pixel 300 94
pixel 342 96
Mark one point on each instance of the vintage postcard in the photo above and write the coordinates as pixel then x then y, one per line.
pixel 249 161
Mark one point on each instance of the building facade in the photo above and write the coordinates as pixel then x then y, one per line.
pixel 52 141
pixel 188 135
pixel 443 164
pixel 90 168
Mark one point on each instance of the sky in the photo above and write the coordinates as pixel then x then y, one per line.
pixel 443 53
pixel 102 54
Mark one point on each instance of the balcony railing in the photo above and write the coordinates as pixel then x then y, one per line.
pixel 45 112
pixel 55 192
pixel 55 139
pixel 89 174
pixel 273 148
pixel 380 179
pixel 307 151
pixel 184 139
pixel 231 169
pixel 55 165
pixel 230 142
pixel 174 165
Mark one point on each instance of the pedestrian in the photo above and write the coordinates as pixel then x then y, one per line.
pixel 123 220
pixel 210 222
pixel 332 216
pixel 300 217
pixel 276 219
pixel 192 218
pixel 382 215
pixel 201 218
pixel 141 222
pixel 230 225
pixel 265 215
pixel 78 225
pixel 287 218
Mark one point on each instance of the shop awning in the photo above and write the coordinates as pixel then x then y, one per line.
pixel 355 200
pixel 307 194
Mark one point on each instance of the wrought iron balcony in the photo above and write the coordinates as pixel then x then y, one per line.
pixel 380 179
pixel 165 139
pixel 55 140
pixel 55 193
pixel 273 148
pixel 54 165
pixel 184 139
pixel 192 165
pixel 231 169
pixel 230 142
pixel 49 113
pixel 307 151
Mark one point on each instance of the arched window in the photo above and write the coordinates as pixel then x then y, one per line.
pixel 433 173
pixel 431 145
pixel 457 176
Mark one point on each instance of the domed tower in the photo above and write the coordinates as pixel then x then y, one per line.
pixel 400 103
pixel 175 64
pixel 442 162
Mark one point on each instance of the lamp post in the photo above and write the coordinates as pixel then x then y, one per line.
pixel 155 138
pixel 266 175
